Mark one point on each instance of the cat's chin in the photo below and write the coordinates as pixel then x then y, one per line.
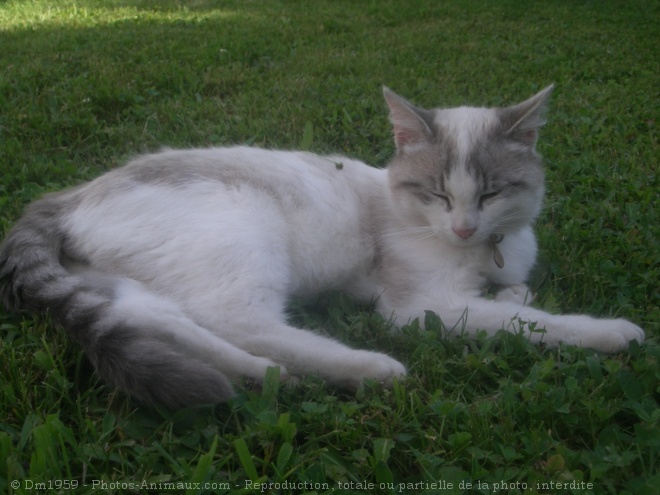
pixel 460 243
pixel 456 241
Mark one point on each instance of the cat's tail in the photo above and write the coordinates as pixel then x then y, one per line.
pixel 38 273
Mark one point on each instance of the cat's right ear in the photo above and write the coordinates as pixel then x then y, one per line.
pixel 409 127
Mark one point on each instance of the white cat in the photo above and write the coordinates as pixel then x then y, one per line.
pixel 174 272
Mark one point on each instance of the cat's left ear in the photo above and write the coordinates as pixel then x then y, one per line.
pixel 409 123
pixel 523 120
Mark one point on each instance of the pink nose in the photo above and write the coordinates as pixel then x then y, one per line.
pixel 463 233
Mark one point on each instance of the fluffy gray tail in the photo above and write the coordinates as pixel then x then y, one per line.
pixel 36 274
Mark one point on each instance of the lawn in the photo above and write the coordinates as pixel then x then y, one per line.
pixel 84 84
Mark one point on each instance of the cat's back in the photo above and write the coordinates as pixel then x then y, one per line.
pixel 246 167
pixel 179 206
pixel 294 180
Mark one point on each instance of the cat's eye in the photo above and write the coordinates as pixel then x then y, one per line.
pixel 486 197
pixel 443 197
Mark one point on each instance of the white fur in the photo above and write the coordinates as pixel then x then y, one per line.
pixel 210 265
pixel 466 124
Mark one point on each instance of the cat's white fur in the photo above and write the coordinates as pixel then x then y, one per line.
pixel 218 281
pixel 206 260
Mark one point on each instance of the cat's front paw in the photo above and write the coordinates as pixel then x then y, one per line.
pixel 617 334
pixel 519 294
pixel 607 335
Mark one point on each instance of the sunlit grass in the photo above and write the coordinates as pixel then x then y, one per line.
pixel 35 14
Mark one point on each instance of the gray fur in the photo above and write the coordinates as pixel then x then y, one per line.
pixel 502 156
pixel 38 274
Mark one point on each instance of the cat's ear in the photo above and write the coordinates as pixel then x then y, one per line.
pixel 408 122
pixel 523 120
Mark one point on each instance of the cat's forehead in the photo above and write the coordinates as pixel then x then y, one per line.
pixel 473 158
pixel 463 128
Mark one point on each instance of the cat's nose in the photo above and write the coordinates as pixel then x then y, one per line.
pixel 463 233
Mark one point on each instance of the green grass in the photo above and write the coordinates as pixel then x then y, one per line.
pixel 85 84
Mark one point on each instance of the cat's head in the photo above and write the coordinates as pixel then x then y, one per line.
pixel 467 172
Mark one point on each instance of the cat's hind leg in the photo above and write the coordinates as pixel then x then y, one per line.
pixel 304 352
pixel 154 351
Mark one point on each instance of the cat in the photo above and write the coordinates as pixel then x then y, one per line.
pixel 174 271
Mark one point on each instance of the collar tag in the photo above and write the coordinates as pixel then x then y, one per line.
pixel 493 241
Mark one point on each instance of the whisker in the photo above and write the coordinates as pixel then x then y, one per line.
pixel 406 232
